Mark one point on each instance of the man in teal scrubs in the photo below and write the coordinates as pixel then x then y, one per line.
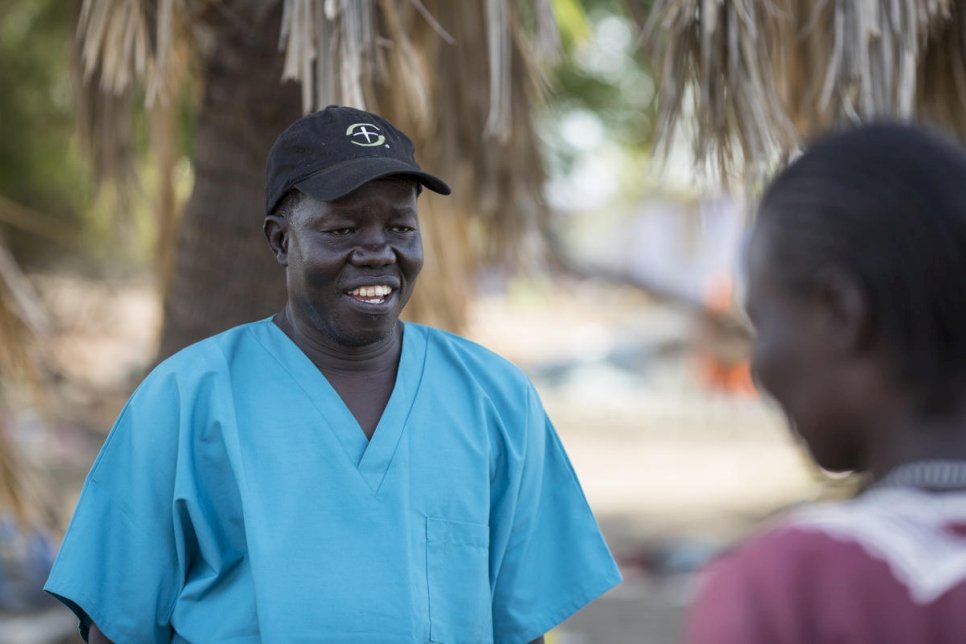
pixel 332 474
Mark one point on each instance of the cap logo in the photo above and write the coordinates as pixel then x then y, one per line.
pixel 369 135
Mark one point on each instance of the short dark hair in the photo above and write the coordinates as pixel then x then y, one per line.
pixel 289 204
pixel 887 203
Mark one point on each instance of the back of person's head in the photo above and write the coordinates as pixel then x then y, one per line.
pixel 887 204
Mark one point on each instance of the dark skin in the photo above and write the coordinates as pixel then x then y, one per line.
pixel 819 354
pixel 368 239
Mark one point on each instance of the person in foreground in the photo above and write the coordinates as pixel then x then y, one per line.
pixel 857 290
pixel 332 474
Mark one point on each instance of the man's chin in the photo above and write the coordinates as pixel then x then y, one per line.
pixel 363 335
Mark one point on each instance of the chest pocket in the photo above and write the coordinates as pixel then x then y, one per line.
pixel 457 570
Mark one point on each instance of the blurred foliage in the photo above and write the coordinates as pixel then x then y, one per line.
pixel 602 107
pixel 50 207
pixel 602 70
pixel 39 168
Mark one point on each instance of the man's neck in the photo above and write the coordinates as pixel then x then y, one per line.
pixel 334 358
pixel 363 377
pixel 908 436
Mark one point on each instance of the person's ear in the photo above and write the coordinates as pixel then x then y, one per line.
pixel 276 232
pixel 845 310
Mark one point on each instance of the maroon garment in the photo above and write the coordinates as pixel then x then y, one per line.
pixel 887 568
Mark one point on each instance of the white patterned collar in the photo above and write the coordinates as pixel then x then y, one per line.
pixel 905 527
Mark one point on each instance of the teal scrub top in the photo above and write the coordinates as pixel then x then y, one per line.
pixel 237 499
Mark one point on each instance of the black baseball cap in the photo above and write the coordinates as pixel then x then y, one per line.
pixel 329 153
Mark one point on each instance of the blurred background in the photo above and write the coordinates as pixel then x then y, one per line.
pixel 605 157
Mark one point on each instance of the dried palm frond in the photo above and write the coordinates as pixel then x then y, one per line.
pixel 105 126
pixel 23 323
pixel 122 45
pixel 116 42
pixel 464 93
pixel 496 179
pixel 757 78
pixel 333 47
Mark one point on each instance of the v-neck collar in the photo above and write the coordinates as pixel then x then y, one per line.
pixel 370 457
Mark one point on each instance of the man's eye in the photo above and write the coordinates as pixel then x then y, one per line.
pixel 340 232
pixel 402 229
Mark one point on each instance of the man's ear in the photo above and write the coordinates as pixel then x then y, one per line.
pixel 276 232
pixel 846 312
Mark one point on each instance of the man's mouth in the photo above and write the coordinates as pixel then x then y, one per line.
pixel 370 294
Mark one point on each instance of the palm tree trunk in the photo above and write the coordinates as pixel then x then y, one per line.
pixel 164 141
pixel 223 271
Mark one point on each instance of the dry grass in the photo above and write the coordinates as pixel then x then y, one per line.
pixel 748 81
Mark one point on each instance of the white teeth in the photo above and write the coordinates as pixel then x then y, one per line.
pixel 379 291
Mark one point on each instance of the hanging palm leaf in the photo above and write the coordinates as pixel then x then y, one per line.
pixel 464 93
pixel 23 322
pixel 749 81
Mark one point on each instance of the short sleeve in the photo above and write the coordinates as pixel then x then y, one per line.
pixel 119 564
pixel 556 560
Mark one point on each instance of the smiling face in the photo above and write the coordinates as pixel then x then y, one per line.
pixel 351 264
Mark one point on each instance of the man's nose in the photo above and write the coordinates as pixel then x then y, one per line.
pixel 373 251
